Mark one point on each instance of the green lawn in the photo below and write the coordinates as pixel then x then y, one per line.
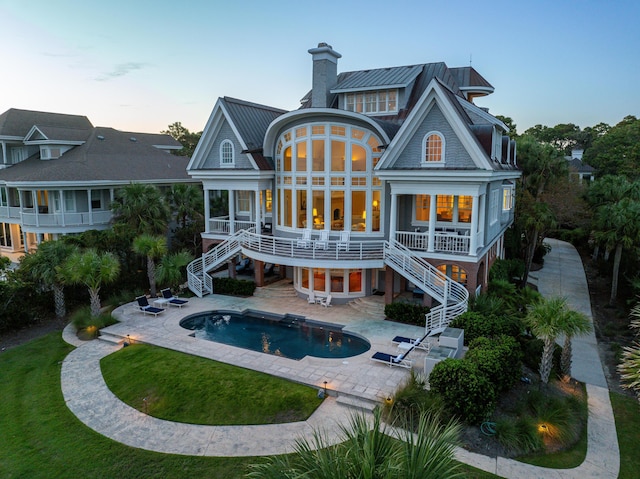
pixel 184 388
pixel 627 412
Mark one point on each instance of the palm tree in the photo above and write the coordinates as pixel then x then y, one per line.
pixel 45 267
pixel 543 319
pixel 571 323
pixel 140 208
pixel 92 269
pixel 371 450
pixel 629 367
pixel 153 247
pixel 171 270
pixel 187 203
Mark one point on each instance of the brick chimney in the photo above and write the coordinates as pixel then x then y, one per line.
pixel 325 74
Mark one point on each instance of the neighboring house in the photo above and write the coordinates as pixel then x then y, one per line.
pixel 59 174
pixel 578 169
pixel 384 180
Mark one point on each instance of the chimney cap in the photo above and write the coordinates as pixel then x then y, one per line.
pixel 324 51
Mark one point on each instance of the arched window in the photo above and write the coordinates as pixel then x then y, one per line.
pixel 433 148
pixel 226 153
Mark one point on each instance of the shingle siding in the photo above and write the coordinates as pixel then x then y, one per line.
pixel 213 159
pixel 456 156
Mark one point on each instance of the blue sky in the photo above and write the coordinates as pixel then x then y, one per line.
pixel 143 64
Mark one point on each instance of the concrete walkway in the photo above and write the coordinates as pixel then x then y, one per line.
pixel 89 398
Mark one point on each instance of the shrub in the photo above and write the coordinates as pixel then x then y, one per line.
pixel 234 287
pixel 519 436
pixel 405 312
pixel 507 270
pixel 477 325
pixel 532 353
pixel 499 359
pixel 411 400
pixel 466 392
pixel 87 325
pixel 486 304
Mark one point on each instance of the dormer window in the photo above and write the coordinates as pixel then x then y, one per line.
pixel 226 153
pixel 433 148
pixel 50 153
pixel 372 102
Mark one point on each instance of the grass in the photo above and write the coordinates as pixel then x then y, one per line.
pixel 184 388
pixel 627 413
pixel 41 438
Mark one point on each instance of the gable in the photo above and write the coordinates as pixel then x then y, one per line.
pixel 456 156
pixel 225 132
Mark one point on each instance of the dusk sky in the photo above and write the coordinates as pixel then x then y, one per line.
pixel 141 65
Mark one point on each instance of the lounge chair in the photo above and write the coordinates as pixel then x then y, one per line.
pixel 326 302
pixel 393 360
pixel 146 308
pixel 343 242
pixel 168 296
pixel 323 241
pixel 420 343
pixel 243 265
pixel 312 298
pixel 305 240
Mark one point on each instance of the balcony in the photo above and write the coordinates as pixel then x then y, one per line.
pixel 450 241
pixel 62 220
pixel 221 225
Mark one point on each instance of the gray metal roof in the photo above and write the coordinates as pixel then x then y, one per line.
pixel 251 119
pixel 115 157
pixel 15 122
pixel 393 77
pixel 468 77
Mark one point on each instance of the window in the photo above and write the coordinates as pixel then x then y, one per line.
pixel 465 205
pixel 454 272
pixel 3 197
pixel 383 101
pixel 433 148
pixel 5 235
pixel 96 200
pixel 423 204
pixel 244 201
pixel 493 211
pixel 444 208
pixel 50 153
pixel 507 199
pixel 226 153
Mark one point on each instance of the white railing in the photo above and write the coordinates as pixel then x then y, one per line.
pixel 444 242
pixel 453 297
pixel 66 219
pixel 222 225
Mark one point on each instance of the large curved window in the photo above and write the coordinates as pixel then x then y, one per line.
pixel 324 178
pixel 433 148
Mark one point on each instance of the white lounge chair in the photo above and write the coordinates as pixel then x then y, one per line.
pixel 393 360
pixel 420 343
pixel 172 300
pixel 343 242
pixel 305 240
pixel 312 298
pixel 326 302
pixel 146 308
pixel 323 241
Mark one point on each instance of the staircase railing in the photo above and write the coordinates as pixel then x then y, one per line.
pixel 452 296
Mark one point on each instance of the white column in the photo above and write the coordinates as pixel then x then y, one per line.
pixel 433 217
pixel 393 216
pixel 90 208
pixel 258 211
pixel 62 207
pixel 473 241
pixel 482 220
pixel 207 211
pixel 232 211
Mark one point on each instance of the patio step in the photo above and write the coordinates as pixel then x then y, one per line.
pixel 356 403
pixel 111 338
pixel 281 289
pixel 370 305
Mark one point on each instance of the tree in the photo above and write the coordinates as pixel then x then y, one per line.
pixel 188 140
pixel 92 269
pixel 617 152
pixel 45 267
pixel 139 208
pixel 563 136
pixel 507 120
pixel 369 451
pixel 171 270
pixel 543 320
pixel 154 248
pixel 186 202
pixel 571 323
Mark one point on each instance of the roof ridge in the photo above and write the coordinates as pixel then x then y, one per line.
pixel 252 104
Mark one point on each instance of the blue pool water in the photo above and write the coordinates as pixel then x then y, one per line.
pixel 290 336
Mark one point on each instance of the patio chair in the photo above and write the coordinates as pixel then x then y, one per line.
pixel 323 241
pixel 420 343
pixel 243 265
pixel 312 298
pixel 390 360
pixel 343 242
pixel 146 308
pixel 326 302
pixel 305 240
pixel 171 299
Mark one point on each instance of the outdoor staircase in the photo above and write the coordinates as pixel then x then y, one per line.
pixel 452 297
pixel 370 306
pixel 281 289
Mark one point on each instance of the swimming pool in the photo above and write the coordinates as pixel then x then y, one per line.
pixel 290 336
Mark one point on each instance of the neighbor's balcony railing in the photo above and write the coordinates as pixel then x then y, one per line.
pixel 456 241
pixel 10 212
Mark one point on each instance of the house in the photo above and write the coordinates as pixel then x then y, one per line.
pixel 578 169
pixel 59 174
pixel 383 180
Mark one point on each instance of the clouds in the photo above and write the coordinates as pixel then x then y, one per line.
pixel 120 70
